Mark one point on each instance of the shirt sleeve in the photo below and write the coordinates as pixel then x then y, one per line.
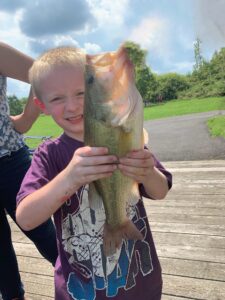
pixel 161 168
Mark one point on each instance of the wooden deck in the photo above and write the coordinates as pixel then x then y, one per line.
pixel 189 232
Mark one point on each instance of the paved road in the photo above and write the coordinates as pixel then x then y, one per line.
pixel 185 138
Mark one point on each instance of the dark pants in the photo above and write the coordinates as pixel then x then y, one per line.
pixel 12 170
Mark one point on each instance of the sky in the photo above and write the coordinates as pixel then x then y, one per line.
pixel 167 29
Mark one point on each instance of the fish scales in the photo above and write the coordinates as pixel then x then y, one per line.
pixel 101 109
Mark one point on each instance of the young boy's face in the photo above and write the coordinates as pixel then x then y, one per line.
pixel 62 91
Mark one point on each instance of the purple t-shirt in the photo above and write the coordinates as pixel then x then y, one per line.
pixel 82 271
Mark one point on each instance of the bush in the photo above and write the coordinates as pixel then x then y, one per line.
pixel 169 85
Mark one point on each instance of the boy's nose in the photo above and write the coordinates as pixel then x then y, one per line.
pixel 71 103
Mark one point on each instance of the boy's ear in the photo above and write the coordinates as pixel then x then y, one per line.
pixel 41 105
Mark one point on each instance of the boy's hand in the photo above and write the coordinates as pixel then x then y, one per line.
pixel 89 164
pixel 137 164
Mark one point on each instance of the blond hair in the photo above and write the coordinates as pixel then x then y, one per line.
pixel 60 56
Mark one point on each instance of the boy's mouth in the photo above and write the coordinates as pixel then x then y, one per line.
pixel 75 118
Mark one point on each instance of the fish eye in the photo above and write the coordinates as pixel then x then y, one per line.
pixel 90 79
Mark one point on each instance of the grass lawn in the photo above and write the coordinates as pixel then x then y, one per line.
pixel 217 126
pixel 45 126
pixel 183 107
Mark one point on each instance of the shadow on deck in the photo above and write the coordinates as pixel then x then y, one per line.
pixel 189 232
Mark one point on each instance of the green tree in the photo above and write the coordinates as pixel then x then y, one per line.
pixel 15 105
pixel 171 84
pixel 136 54
pixel 209 79
pixel 217 65
pixel 199 60
pixel 146 83
pixel 23 101
pixel 145 79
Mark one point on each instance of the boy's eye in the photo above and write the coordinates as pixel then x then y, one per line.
pixel 56 99
pixel 80 94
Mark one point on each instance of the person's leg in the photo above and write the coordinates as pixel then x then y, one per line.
pixel 10 282
pixel 12 171
pixel 44 236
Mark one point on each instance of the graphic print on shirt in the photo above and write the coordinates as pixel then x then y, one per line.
pixel 82 241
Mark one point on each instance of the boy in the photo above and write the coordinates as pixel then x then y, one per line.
pixel 57 183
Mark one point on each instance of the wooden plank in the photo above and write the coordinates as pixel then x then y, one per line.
pixel 35 265
pixel 196 240
pixel 193 288
pixel 192 189
pixel 195 180
pixel 185 219
pixel 39 297
pixel 38 284
pixel 197 203
pixel 203 175
pixel 173 165
pixel 198 170
pixel 197 197
pixel 185 210
pixel 192 253
pixel 19 237
pixel 192 268
pixel 26 250
pixel 167 297
pixel 216 230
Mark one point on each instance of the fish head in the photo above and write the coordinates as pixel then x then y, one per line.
pixel 110 86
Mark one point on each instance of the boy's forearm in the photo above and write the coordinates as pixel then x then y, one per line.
pixel 39 206
pixel 156 184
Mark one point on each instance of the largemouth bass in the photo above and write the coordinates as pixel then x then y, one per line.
pixel 113 118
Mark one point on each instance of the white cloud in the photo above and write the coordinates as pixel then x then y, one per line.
pixel 65 40
pixel 4 20
pixel 182 67
pixel 10 32
pixel 42 44
pixel 42 18
pixel 153 34
pixel 91 48
pixel 109 13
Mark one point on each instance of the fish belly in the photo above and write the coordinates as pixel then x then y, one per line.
pixel 114 190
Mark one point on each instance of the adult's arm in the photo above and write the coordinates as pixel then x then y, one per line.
pixel 15 64
pixel 23 122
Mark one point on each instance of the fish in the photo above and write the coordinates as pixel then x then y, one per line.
pixel 113 118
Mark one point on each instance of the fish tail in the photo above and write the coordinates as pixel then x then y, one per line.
pixel 113 237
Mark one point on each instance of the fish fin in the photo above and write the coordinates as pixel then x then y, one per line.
pixel 145 137
pixel 95 200
pixel 134 195
pixel 113 237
